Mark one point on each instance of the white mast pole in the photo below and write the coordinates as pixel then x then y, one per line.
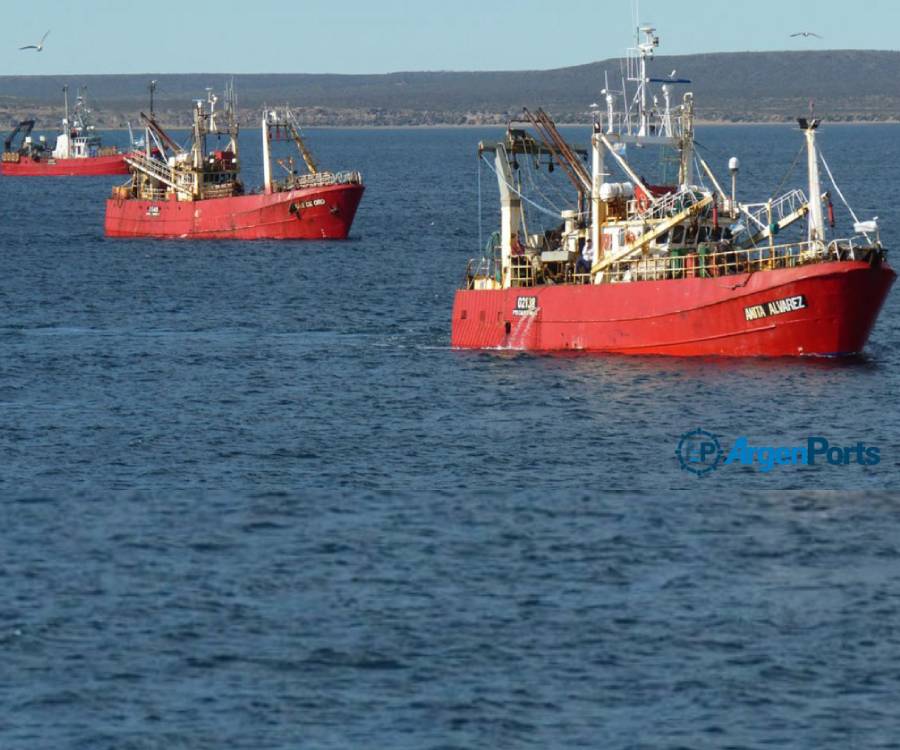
pixel 510 213
pixel 637 18
pixel 637 34
pixel 267 163
pixel 610 113
pixel 816 219
pixel 687 142
pixel 596 202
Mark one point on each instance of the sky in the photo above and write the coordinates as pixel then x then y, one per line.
pixel 380 36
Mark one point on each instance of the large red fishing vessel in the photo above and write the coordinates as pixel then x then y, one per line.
pixel 197 193
pixel 678 269
pixel 78 151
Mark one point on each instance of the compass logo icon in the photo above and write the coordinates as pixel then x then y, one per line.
pixel 699 452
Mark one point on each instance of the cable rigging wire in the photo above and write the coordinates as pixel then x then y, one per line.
pixel 537 189
pixel 539 207
pixel 789 173
pixel 841 195
pixel 837 189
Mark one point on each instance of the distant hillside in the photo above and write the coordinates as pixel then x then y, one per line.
pixel 750 86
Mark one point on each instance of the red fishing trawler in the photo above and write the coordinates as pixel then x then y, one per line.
pixel 683 269
pixel 78 151
pixel 198 194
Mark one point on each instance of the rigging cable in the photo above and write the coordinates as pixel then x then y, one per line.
pixel 720 153
pixel 537 189
pixel 698 170
pixel 789 173
pixel 837 189
pixel 539 207
pixel 841 195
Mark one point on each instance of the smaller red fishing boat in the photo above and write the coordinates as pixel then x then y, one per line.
pixel 78 150
pixel 198 193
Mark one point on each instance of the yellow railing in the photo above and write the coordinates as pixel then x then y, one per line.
pixel 707 262
pixel 320 179
pixel 152 194
pixel 711 263
pixel 521 271
pixel 218 191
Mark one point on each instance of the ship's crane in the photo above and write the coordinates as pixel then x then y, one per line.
pixel 154 127
pixel 564 153
pixel 25 127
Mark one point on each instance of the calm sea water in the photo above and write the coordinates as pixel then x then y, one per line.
pixel 253 499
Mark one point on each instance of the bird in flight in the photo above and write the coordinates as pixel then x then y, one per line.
pixel 38 47
pixel 808 33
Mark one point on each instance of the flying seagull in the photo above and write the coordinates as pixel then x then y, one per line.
pixel 808 33
pixel 38 47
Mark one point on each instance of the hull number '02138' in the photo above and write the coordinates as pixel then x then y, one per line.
pixel 778 307
pixel 526 306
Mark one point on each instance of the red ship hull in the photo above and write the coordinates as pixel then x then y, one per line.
pixel 84 167
pixel 823 309
pixel 309 214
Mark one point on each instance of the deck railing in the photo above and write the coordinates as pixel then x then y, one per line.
pixel 152 194
pixel 762 215
pixel 706 262
pixel 710 262
pixel 665 206
pixel 320 179
pixel 219 191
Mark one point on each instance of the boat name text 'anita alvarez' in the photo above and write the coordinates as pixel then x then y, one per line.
pixel 779 307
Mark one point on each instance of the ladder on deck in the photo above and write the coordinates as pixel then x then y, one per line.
pixel 156 170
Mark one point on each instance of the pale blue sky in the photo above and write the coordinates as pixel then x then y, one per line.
pixel 377 36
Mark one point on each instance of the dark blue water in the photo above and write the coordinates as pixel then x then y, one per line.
pixel 253 500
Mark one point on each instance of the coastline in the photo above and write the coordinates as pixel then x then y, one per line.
pixel 481 126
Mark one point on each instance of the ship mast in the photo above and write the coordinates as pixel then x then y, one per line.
pixel 198 144
pixel 280 124
pixel 598 172
pixel 686 170
pixel 637 73
pixel 267 156
pixel 816 219
pixel 510 213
